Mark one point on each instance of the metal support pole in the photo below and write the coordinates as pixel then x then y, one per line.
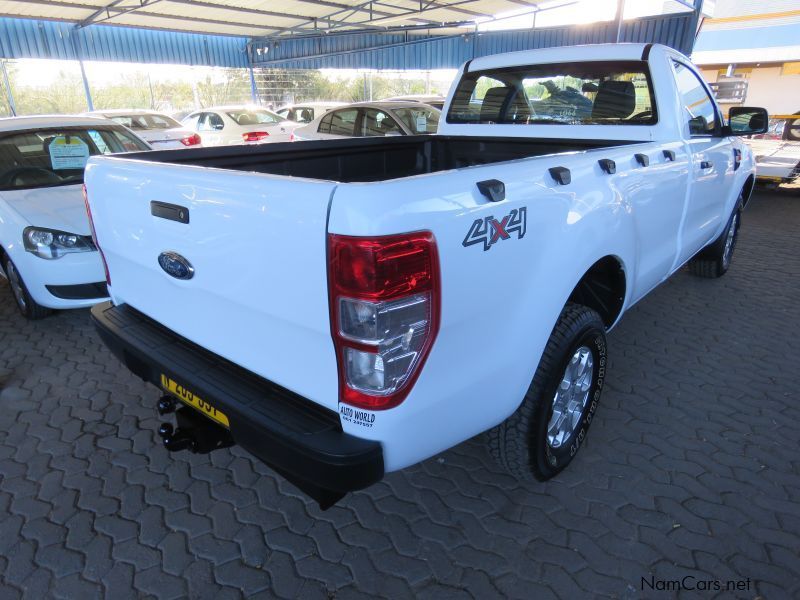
pixel 86 90
pixel 618 19
pixel 253 87
pixel 12 107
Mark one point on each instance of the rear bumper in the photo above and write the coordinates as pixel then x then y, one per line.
pixel 298 438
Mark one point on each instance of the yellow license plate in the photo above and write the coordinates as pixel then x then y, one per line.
pixel 193 400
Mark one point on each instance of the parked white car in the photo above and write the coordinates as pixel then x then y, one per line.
pixel 307 111
pixel 430 100
pixel 371 119
pixel 351 307
pixel 47 252
pixel 226 125
pixel 161 131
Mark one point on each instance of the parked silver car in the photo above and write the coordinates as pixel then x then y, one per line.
pixel 372 119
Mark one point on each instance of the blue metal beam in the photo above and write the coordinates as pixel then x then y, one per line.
pixel 28 38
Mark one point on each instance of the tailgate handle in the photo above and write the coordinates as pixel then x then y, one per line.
pixel 171 212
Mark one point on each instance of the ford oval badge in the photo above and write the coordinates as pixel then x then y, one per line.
pixel 175 265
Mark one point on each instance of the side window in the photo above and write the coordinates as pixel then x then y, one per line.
pixel 325 124
pixel 203 123
pixel 698 107
pixel 343 122
pixel 99 141
pixel 216 121
pixel 119 141
pixel 377 123
pixel 304 115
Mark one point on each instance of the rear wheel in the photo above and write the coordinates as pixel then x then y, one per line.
pixel 25 303
pixel 545 433
pixel 715 260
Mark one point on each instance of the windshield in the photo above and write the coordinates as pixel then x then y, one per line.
pixel 589 93
pixel 145 122
pixel 419 120
pixel 254 117
pixel 53 157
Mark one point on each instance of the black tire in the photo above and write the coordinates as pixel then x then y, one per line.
pixel 25 303
pixel 521 443
pixel 715 259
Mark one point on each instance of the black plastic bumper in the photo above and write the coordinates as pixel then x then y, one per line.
pixel 298 438
pixel 82 291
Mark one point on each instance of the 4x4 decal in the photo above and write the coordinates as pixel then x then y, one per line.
pixel 489 231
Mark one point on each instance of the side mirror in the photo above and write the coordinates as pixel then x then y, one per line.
pixel 747 120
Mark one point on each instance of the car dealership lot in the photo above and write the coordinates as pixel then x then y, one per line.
pixel 692 469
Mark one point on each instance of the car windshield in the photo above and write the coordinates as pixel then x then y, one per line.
pixel 52 157
pixel 254 117
pixel 588 93
pixel 145 122
pixel 419 120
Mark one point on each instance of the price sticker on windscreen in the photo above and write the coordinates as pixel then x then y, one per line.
pixel 422 123
pixel 68 152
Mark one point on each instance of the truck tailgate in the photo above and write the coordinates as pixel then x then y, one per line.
pixel 257 245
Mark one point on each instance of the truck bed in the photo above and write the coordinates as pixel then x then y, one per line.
pixel 371 159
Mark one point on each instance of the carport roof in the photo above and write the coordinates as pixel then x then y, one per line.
pixel 269 18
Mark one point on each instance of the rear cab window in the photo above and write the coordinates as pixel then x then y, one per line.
pixel 586 93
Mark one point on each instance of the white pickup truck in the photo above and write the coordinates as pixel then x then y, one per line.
pixel 346 308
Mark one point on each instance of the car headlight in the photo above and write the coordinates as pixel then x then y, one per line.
pixel 51 243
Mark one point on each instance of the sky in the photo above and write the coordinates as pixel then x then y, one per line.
pixel 33 72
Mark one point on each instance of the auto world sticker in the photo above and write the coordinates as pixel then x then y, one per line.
pixel 356 416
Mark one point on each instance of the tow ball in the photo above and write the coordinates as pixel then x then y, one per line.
pixel 193 432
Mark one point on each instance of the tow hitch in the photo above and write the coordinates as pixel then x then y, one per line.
pixel 194 432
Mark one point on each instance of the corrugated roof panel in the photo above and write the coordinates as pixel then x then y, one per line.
pixel 25 38
pixel 74 10
pixel 221 16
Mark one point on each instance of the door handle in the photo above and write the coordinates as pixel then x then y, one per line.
pixel 706 164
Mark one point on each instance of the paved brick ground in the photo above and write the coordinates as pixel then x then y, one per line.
pixel 692 468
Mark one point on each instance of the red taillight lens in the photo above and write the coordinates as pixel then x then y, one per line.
pixel 94 234
pixel 191 140
pixel 384 300
pixel 255 136
pixel 291 137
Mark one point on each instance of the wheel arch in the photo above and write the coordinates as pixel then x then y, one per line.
pixel 747 189
pixel 3 256
pixel 603 288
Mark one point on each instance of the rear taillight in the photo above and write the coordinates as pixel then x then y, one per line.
pixel 291 137
pixel 384 301
pixel 255 136
pixel 191 140
pixel 94 235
